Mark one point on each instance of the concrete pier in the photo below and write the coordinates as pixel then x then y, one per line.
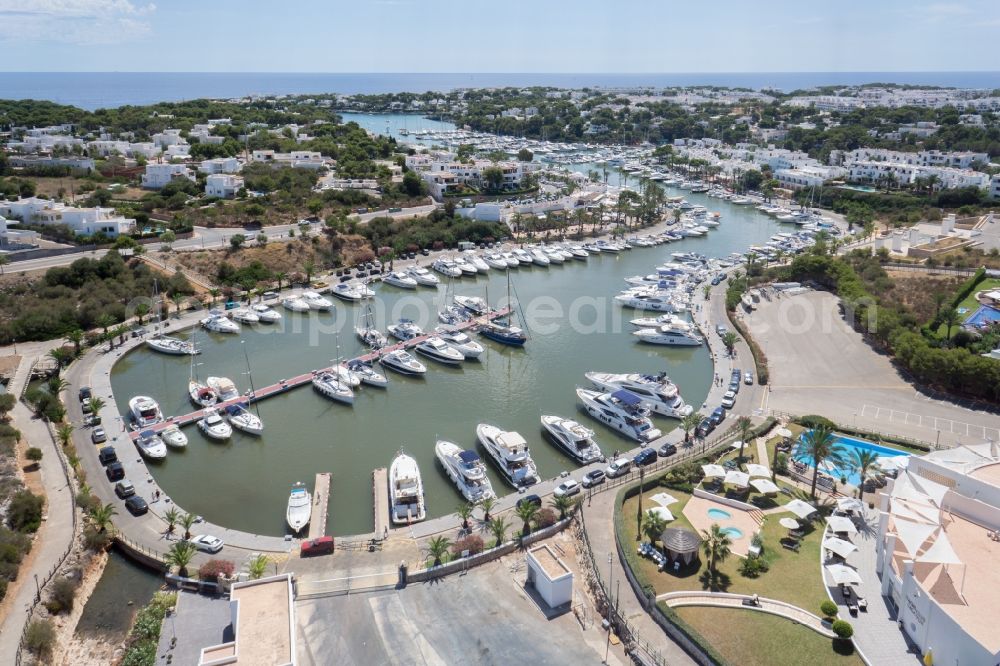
pixel 320 505
pixel 380 495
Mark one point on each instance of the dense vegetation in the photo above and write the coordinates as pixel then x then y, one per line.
pixel 438 230
pixel 23 510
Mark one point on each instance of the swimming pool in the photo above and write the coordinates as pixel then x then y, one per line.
pixel 850 445
pixel 983 316
pixel 733 532
pixel 719 514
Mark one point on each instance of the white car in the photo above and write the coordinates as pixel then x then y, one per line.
pixel 729 399
pixel 567 488
pixel 618 467
pixel 207 543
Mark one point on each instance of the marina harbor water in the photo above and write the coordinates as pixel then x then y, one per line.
pixel 574 327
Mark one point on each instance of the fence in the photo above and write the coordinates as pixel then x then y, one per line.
pixel 148 556
pixel 871 434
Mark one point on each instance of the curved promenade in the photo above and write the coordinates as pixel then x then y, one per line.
pixel 725 600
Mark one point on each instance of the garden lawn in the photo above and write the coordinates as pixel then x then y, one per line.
pixel 970 304
pixel 751 638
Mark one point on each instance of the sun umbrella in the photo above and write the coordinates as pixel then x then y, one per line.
pixel 738 479
pixel 712 471
pixel 801 509
pixel 663 499
pixel 736 445
pixel 765 486
pixel 663 512
pixel 783 432
pixel 756 470
pixel 841 524
pixel 789 523
pixel 839 546
pixel 843 575
pixel 849 504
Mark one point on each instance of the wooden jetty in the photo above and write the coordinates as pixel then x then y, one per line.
pixel 380 497
pixel 285 385
pixel 320 505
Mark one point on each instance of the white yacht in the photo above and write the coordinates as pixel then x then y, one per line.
pixel 334 387
pixel 496 260
pixel 173 436
pixel 265 314
pixel 656 391
pixel 423 276
pixel 654 322
pixel 402 362
pixel 299 508
pixel 400 279
pixel 513 260
pixel 553 254
pixel 173 346
pixel 151 446
pixel 438 350
pixel 474 304
pixel 367 374
pixel 510 452
pixel 144 411
pixel 465 469
pixel 460 341
pixel 406 491
pixel 406 329
pixel 472 258
pixel 464 266
pixel 348 291
pixel 621 410
pixel 453 315
pixel 573 438
pixel 219 323
pixel 366 330
pixel 447 268
pixel 224 388
pixel 540 258
pixel 201 395
pixel 670 334
pixel 295 304
pixel 245 316
pixel 213 426
pixel 610 246
pixel 578 252
pixel 523 257
pixel 316 301
pixel 243 419
pixel 655 300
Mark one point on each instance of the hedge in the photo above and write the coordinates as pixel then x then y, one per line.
pixel 968 286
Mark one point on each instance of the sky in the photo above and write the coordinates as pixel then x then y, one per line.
pixel 614 36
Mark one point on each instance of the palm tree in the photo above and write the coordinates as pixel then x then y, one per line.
pixel 526 511
pixel 744 425
pixel 214 293
pixel 257 566
pixel 498 528
pixel 280 277
pixel 689 423
pixel 309 267
pixel 950 317
pixel 120 332
pixel 706 291
pixel 61 356
pixel 76 337
pixel 820 446
pixel 95 405
pixel 64 433
pixel 487 504
pixel 141 310
pixel 437 547
pixel 464 512
pixel 101 515
pixel 171 515
pixel 105 321
pixel 716 545
pixel 187 520
pixel 563 504
pixel 862 461
pixel 653 525
pixel 56 385
pixel 177 297
pixel 180 556
pixel 729 340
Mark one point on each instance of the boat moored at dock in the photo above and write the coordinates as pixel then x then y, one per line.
pixel 299 508
pixel 510 452
pixel 406 491
pixel 573 438
pixel 172 346
pixel 466 470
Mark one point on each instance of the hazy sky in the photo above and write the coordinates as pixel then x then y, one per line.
pixel 498 35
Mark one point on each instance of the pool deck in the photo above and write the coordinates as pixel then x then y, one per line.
pixel 696 511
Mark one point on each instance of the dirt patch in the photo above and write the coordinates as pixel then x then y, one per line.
pixel 66 640
pixel 917 291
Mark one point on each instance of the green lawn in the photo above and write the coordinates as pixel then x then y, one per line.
pixel 970 304
pixel 750 638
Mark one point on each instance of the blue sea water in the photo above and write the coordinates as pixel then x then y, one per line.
pixel 93 90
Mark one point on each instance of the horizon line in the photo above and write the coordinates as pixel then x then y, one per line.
pixel 485 73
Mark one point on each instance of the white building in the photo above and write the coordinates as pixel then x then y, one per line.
pixel 299 159
pixel 220 165
pixel 168 137
pixel 869 171
pixel 83 221
pixel 995 187
pixel 808 176
pixel 936 552
pixel 223 185
pixel 552 579
pixel 158 176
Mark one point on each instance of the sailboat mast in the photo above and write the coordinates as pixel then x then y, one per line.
pixel 253 392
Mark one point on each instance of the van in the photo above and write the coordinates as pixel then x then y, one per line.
pixel 618 467
pixel 318 546
pixel 466 245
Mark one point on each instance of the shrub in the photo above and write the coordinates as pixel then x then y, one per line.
pixel 40 637
pixel 95 540
pixel 814 421
pixel 62 595
pixel 212 569
pixel 752 567
pixel 472 543
pixel 545 518
pixel 842 628
pixel 828 608
pixel 87 501
pixel 25 512
pixel 34 454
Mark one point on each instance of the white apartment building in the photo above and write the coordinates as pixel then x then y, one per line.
pixel 158 176
pixel 995 187
pixel 44 143
pixel 220 165
pixel 179 151
pixel 465 173
pixel 168 137
pixel 870 171
pixel 203 133
pixel 299 159
pixel 808 176
pixel 223 185
pixel 83 221
pixel 956 159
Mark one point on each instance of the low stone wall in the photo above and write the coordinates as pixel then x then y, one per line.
pixel 736 504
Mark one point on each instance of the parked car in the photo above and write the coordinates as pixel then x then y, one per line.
pixel 395 209
pixel 721 330
pixel 716 280
pixel 736 375
pixel 136 505
pixel 206 543
pixel 729 399
pixel 115 471
pixel 425 252
pixel 594 478
pixel 567 488
pixel 98 436
pixel 704 428
pixel 318 546
pixel 645 457
pixel 618 467
pixel 718 416
pixel 270 295
pixel 124 489
pixel 107 455
pixel 748 378
pixel 85 393
pixel 530 499
pixel 667 450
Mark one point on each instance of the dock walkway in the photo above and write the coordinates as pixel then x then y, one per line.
pixel 320 505
pixel 380 497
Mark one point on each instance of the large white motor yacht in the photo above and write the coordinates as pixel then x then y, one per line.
pixel 367 374
pixel 402 362
pixel 438 350
pixel 510 452
pixel 423 276
pixel 670 334
pixel 219 323
pixel 621 410
pixel 295 304
pixel 465 469
pixel 573 438
pixel 474 304
pixel 460 341
pixel 400 279
pixel 145 411
pixel 406 490
pixel 173 437
pixel 406 329
pixel 316 302
pixel 265 314
pixel 349 291
pixel 496 260
pixel 655 322
pixel 471 257
pixel 657 391
pixel 447 268
pixel 656 300
pixel 245 316
pixel 151 446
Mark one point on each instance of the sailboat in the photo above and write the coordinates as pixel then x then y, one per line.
pixel 366 330
pixel 201 394
pixel 501 330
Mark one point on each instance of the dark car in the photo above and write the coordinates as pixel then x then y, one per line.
pixel 318 546
pixel 115 471
pixel 704 428
pixel 425 252
pixel 645 457
pixel 736 375
pixel 734 386
pixel 85 393
pixel 98 436
pixel 136 505
pixel 666 450
pixel 107 455
pixel 124 489
pixel 716 280
pixel 591 479
pixel 530 499
pixel 718 416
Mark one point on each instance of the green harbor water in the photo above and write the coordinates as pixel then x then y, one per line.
pixel 244 482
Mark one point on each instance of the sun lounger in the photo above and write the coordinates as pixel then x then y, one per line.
pixel 791 545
